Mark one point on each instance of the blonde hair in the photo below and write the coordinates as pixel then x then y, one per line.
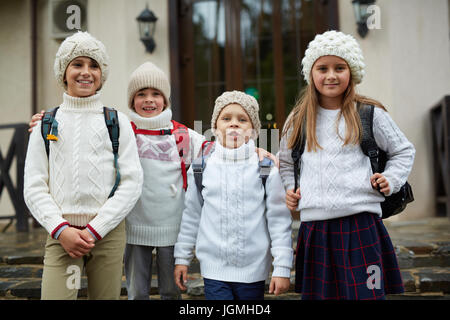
pixel 305 112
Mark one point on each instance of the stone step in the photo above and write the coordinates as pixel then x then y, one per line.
pixel 30 270
pixel 20 271
pixel 408 259
pixel 428 279
pixel 420 283
pixel 31 288
pixel 424 260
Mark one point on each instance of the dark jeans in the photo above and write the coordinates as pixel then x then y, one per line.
pixel 222 290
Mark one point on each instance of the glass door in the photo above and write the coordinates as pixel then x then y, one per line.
pixel 255 46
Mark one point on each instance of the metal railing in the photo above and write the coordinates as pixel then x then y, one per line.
pixel 17 149
pixel 440 126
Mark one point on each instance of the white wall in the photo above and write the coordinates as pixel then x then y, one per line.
pixel 111 21
pixel 114 23
pixel 408 70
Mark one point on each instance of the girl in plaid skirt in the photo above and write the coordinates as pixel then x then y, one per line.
pixel 343 249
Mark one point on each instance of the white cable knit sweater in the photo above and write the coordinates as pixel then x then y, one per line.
pixel 73 185
pixel 236 232
pixel 335 180
pixel 155 219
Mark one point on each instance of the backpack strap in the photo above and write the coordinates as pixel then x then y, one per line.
pixel 296 154
pixel 368 144
pixel 161 132
pixel 199 164
pixel 181 133
pixel 49 128
pixel 264 170
pixel 112 123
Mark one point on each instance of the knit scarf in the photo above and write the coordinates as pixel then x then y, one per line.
pixel 161 121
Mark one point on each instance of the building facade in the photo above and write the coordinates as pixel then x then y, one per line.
pixel 209 46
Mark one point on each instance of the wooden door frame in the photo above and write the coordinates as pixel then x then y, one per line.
pixel 183 89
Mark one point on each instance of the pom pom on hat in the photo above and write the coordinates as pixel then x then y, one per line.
pixel 335 43
pixel 147 75
pixel 246 101
pixel 80 44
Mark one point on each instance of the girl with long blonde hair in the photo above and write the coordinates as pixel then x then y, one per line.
pixel 343 249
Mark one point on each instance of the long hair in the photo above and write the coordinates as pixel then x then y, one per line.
pixel 305 113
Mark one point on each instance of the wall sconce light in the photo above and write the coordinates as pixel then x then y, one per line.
pixel 147 24
pixel 361 15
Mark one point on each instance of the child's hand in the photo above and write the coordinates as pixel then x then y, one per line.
pixel 266 154
pixel 72 240
pixel 87 236
pixel 180 274
pixel 292 199
pixel 34 119
pixel 378 181
pixel 279 285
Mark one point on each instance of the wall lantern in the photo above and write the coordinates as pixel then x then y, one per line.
pixel 361 15
pixel 147 24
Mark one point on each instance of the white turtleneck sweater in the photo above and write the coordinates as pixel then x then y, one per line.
pixel 335 180
pixel 72 186
pixel 155 219
pixel 236 232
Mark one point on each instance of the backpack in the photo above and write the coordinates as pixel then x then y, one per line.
pixel 199 164
pixel 393 204
pixel 49 132
pixel 181 133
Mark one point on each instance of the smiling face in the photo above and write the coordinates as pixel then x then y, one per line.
pixel 331 76
pixel 233 126
pixel 83 77
pixel 149 102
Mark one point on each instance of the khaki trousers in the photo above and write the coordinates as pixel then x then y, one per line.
pixel 103 265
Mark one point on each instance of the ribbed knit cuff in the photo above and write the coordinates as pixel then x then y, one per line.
pixel 57 231
pixel 281 272
pixel 93 232
pixel 185 262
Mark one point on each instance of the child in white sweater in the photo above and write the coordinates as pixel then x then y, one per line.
pixel 342 237
pixel 237 230
pixel 69 190
pixel 155 220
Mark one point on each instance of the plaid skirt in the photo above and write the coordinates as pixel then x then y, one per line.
pixel 346 258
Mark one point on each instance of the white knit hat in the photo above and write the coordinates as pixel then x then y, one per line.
pixel 246 101
pixel 335 43
pixel 147 75
pixel 80 44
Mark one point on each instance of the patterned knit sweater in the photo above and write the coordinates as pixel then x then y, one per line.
pixel 73 185
pixel 236 232
pixel 335 180
pixel 155 219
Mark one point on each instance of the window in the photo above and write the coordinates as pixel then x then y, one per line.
pixel 254 46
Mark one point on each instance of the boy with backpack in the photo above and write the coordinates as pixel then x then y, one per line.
pixel 165 151
pixel 236 221
pixel 82 177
